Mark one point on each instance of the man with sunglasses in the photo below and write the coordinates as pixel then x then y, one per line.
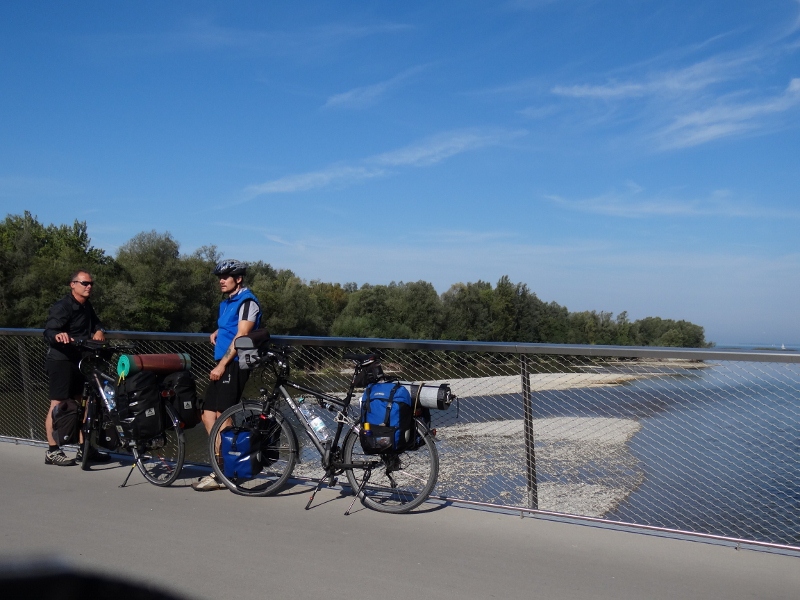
pixel 70 318
pixel 239 314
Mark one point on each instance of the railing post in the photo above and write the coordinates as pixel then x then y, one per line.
pixel 530 453
pixel 27 388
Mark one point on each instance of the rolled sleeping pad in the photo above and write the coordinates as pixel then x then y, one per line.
pixel 158 363
pixel 438 397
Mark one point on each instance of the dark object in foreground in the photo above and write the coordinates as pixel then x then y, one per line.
pixel 47 582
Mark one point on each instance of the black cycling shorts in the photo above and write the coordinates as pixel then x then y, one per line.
pixel 64 379
pixel 226 391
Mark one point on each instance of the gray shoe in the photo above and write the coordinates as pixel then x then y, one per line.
pixel 57 457
pixel 207 484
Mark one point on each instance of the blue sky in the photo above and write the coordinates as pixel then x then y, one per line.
pixel 636 156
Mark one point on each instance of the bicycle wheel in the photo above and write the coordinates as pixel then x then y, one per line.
pixel 399 482
pixel 89 429
pixel 160 459
pixel 280 448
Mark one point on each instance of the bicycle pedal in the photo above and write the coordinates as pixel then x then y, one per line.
pixel 332 481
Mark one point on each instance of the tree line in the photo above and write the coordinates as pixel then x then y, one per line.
pixel 150 286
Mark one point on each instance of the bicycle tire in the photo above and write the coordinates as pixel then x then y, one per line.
pixel 273 477
pixel 89 430
pixel 160 459
pixel 402 481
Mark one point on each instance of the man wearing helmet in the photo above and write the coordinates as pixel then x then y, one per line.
pixel 239 314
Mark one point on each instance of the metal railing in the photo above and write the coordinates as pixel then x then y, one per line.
pixel 704 442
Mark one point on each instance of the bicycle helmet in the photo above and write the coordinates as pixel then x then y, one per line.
pixel 230 268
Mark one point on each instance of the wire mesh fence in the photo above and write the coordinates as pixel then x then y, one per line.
pixel 698 441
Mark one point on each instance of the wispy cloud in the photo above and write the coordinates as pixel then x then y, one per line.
pixel 635 203
pixel 203 35
pixel 691 79
pixel 437 148
pixel 422 154
pixel 267 234
pixel 365 96
pixel 316 179
pixel 728 94
pixel 727 119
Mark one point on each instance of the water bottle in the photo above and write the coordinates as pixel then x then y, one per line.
pixel 109 393
pixel 316 423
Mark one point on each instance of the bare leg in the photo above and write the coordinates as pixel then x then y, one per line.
pixel 48 423
pixel 209 418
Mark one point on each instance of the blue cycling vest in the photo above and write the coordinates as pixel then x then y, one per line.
pixel 228 321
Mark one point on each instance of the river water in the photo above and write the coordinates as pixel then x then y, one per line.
pixel 722 455
pixel 719 447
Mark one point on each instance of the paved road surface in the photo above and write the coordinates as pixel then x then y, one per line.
pixel 215 544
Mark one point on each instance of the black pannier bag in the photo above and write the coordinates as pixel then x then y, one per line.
pixel 66 422
pixel 140 406
pixel 369 373
pixel 108 437
pixel 250 347
pixel 181 393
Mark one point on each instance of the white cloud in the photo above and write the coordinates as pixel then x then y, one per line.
pixel 691 79
pixel 440 147
pixel 362 97
pixel 726 95
pixel 635 203
pixel 727 118
pixel 205 35
pixel 316 179
pixel 422 154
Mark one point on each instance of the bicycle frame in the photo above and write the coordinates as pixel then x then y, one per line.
pixel 392 481
pixel 96 409
pixel 94 398
pixel 329 451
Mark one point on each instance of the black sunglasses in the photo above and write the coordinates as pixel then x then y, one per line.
pixel 83 283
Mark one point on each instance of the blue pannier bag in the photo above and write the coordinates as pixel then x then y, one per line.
pixel 241 452
pixel 247 449
pixel 387 419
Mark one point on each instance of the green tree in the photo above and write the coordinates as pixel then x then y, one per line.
pixel 35 264
pixel 467 310
pixel 157 290
pixel 152 287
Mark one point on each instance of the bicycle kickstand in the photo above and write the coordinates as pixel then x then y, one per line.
pixel 314 493
pixel 362 485
pixel 133 466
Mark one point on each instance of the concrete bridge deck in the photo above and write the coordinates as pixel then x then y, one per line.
pixel 217 544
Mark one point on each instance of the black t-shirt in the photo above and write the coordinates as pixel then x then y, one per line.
pixel 69 316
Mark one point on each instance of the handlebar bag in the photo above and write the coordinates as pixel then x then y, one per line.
pixel 387 419
pixel 140 406
pixel 66 422
pixel 249 347
pixel 181 393
pixel 368 373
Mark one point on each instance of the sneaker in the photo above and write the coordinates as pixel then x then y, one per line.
pixel 94 456
pixel 207 484
pixel 57 457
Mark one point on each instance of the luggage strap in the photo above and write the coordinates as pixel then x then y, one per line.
pixel 389 402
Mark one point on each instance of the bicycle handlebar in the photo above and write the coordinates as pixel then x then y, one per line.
pixel 96 345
